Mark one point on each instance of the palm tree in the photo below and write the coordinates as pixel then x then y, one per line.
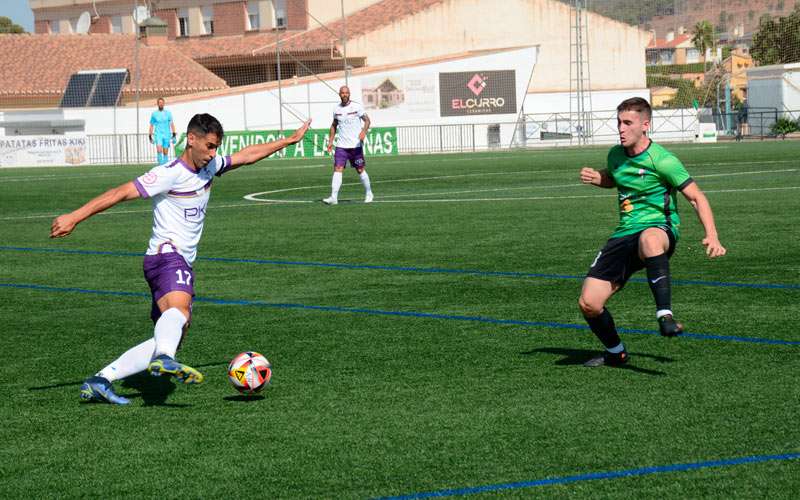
pixel 703 36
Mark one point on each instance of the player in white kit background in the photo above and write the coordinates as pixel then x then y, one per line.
pixel 179 190
pixel 350 134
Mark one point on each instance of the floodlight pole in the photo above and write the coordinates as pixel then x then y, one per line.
pixel 280 93
pixel 580 84
pixel 344 44
pixel 138 86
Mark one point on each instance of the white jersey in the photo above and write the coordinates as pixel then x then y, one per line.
pixel 180 197
pixel 348 126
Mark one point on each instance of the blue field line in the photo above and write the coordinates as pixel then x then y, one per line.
pixel 432 270
pixel 406 314
pixel 594 476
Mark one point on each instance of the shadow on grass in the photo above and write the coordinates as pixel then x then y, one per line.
pixel 74 383
pixel 244 398
pixel 577 357
pixel 153 390
pixel 206 365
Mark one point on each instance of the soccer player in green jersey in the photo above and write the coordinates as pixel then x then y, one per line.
pixel 647 177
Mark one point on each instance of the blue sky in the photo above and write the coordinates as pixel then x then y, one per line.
pixel 19 12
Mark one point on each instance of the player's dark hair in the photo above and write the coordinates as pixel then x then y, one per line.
pixel 637 104
pixel 203 124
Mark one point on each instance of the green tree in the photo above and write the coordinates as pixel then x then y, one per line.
pixel 703 36
pixel 8 26
pixel 777 40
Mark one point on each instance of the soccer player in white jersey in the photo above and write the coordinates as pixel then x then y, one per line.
pixel 350 134
pixel 162 131
pixel 180 192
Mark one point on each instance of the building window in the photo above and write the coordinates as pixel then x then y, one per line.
pixel 280 13
pixel 183 22
pixel 54 27
pixel 253 19
pixel 208 19
pixel 116 24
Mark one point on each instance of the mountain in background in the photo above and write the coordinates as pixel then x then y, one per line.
pixel 669 15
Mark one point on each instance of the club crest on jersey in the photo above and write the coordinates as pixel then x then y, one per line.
pixel 626 205
pixel 149 178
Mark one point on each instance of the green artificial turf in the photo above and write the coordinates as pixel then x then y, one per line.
pixel 426 342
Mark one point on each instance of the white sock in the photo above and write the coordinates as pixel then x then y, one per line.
pixel 168 332
pixel 663 312
pixel 365 181
pixel 336 184
pixel 616 350
pixel 133 361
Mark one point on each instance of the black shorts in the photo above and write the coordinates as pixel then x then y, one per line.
pixel 619 258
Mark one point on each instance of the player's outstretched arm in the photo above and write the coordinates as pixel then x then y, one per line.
pixel 256 152
pixel 599 178
pixel 700 203
pixel 64 224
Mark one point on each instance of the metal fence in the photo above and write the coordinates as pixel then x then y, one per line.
pixel 120 149
pixel 532 131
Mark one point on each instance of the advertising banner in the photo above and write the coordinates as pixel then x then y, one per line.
pixel 379 141
pixel 42 150
pixel 478 93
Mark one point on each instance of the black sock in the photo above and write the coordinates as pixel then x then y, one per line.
pixel 604 328
pixel 659 280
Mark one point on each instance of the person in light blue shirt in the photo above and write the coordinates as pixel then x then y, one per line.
pixel 162 131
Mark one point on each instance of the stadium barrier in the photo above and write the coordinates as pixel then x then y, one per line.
pixel 532 131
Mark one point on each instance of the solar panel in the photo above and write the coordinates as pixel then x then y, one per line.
pixel 79 89
pixel 94 88
pixel 108 88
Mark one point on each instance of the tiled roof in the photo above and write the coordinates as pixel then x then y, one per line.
pixel 662 43
pixel 42 64
pixel 173 68
pixel 371 18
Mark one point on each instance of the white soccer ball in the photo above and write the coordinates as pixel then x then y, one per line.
pixel 249 372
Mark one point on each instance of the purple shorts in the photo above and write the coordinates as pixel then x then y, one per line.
pixel 354 155
pixel 167 272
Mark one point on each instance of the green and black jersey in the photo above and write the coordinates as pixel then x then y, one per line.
pixel 647 184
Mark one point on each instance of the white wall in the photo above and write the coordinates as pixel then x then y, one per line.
pixel 328 11
pixel 791 90
pixel 260 110
pixel 559 102
pixel 616 50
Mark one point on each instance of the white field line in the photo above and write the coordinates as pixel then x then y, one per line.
pixel 258 196
pixel 255 197
pixel 59 177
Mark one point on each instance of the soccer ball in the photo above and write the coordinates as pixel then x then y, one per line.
pixel 249 372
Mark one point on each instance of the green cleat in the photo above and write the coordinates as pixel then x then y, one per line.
pixel 164 365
